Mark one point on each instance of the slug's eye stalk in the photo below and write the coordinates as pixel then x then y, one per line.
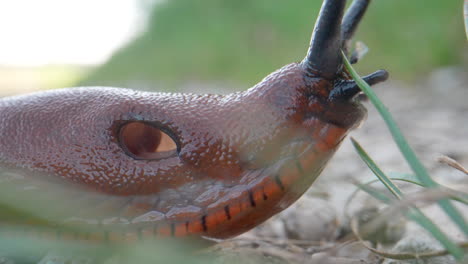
pixel 332 33
pixel 351 21
pixel 324 57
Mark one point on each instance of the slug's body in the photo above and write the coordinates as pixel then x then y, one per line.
pixel 144 164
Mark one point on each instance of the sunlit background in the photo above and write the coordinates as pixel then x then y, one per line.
pixel 228 44
pixel 53 43
pixel 37 33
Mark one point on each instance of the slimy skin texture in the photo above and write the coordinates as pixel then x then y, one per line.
pixel 239 158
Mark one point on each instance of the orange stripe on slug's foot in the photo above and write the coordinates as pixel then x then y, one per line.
pixel 215 218
pixel 180 229
pixel 271 188
pixel 234 209
pixel 322 146
pixel 195 227
pixel 165 230
pixel 309 160
pixel 334 136
pixel 289 173
pixel 257 195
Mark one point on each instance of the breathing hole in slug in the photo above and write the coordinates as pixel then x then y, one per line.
pixel 142 140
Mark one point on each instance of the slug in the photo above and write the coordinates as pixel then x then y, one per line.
pixel 127 165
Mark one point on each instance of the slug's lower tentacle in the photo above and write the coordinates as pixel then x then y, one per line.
pixel 376 77
pixel 348 89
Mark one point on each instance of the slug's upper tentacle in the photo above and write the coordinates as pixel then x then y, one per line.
pixel 332 33
pixel 323 56
pixel 351 20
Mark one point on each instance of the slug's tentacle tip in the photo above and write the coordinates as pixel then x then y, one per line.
pixel 376 77
pixel 346 90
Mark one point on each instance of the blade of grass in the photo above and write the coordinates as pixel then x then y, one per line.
pixel 377 171
pixel 457 196
pixel 405 149
pixel 465 12
pixel 414 213
pixel 374 193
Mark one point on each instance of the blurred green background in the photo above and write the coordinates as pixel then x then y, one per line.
pixel 236 43
pixel 242 41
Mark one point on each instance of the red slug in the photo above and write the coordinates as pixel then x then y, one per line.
pixel 128 164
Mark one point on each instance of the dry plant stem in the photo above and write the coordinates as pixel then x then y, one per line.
pixel 452 163
pixel 455 195
pixel 428 196
pixel 400 256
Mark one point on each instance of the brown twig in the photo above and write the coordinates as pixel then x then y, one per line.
pixel 452 163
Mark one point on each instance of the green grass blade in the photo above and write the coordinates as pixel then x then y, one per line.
pixel 409 178
pixel 405 149
pixel 377 171
pixel 374 193
pixel 465 13
pixel 461 197
pixel 414 213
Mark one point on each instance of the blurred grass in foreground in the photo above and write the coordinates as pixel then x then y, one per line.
pixel 242 41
